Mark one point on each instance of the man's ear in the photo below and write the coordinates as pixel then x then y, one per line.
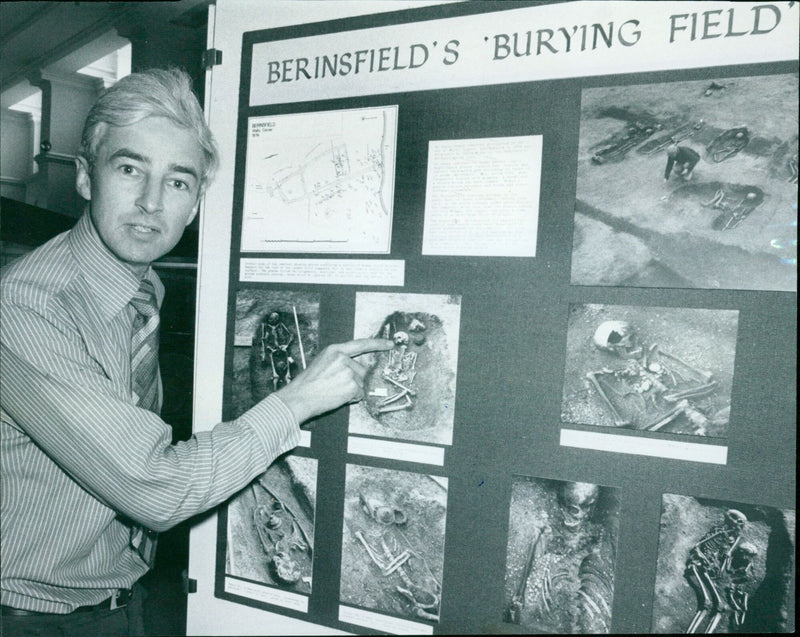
pixel 200 193
pixel 83 180
pixel 194 213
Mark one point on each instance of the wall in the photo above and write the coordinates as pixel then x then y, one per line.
pixel 16 134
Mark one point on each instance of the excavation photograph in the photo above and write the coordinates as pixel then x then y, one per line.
pixel 410 389
pixel 393 542
pixel 656 369
pixel 688 185
pixel 561 556
pixel 723 567
pixel 270 533
pixel 276 335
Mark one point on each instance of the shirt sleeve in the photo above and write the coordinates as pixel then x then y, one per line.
pixel 123 455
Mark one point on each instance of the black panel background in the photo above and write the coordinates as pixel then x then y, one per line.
pixel 508 398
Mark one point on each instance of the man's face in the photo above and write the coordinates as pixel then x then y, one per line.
pixel 144 188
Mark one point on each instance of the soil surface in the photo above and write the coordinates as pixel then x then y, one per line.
pixel 633 228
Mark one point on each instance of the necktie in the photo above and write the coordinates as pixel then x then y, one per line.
pixel 144 385
pixel 144 347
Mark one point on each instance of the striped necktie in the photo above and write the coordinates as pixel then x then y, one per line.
pixel 144 385
pixel 144 347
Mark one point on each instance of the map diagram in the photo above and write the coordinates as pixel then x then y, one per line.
pixel 320 182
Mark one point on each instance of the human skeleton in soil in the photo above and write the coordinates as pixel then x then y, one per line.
pixel 616 147
pixel 645 387
pixel 719 570
pixel 275 340
pixel 566 583
pixel 386 544
pixel 286 544
pixel 398 367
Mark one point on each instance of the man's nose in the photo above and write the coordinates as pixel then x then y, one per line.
pixel 151 196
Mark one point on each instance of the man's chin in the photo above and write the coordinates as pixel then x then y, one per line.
pixel 141 259
pixel 139 252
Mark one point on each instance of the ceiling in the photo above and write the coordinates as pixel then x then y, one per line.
pixel 53 36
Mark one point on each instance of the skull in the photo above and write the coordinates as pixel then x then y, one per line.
pixel 743 555
pixel 616 337
pixel 400 338
pixel 735 520
pixel 417 329
pixel 274 318
pixel 284 569
pixel 577 501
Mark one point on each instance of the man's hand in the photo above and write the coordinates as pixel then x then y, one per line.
pixel 332 379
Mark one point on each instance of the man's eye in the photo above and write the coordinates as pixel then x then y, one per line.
pixel 127 169
pixel 179 184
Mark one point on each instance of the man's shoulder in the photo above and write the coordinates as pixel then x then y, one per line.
pixel 40 274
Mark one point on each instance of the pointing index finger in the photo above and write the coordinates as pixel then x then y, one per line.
pixel 364 345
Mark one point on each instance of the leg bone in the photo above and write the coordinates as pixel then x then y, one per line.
pixel 668 417
pixel 692 392
pixel 370 551
pixel 396 407
pixel 702 373
pixel 401 386
pixel 618 420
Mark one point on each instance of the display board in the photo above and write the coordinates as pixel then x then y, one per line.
pixel 577 221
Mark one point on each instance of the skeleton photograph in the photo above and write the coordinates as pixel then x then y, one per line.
pixel 276 334
pixel 410 389
pixel 561 556
pixel 723 567
pixel 270 526
pixel 656 369
pixel 393 542
pixel 688 185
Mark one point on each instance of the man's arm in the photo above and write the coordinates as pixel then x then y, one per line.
pixel 332 379
pixel 123 454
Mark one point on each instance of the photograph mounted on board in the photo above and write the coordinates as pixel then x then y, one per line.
pixel 688 185
pixel 723 567
pixel 276 335
pixel 393 542
pixel 410 389
pixel 561 556
pixel 270 527
pixel 657 369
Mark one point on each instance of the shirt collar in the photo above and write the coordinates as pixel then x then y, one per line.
pixel 111 281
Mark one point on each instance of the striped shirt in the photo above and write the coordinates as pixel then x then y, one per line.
pixel 80 462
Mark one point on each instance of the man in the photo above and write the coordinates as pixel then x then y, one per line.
pixel 683 158
pixel 89 474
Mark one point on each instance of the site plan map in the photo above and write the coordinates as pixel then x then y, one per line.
pixel 320 182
